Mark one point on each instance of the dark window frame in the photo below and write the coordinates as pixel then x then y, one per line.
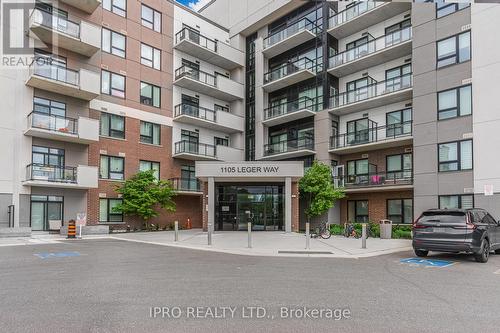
pixel 459 199
pixel 459 156
pixel 446 5
pixel 402 215
pixel 458 98
pixel 113 33
pixel 151 166
pixel 457 49
pixel 110 130
pixel 356 210
pixel 109 212
pixel 152 23
pixel 119 10
pixel 153 88
pixel 152 60
pixel 109 157
pixel 144 138
pixel 110 89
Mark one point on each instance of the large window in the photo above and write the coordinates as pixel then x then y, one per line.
pixel 113 84
pixel 47 156
pixel 459 201
pixel 114 43
pixel 49 107
pixel 454 156
pixel 148 165
pixel 221 141
pixel 150 95
pixel 150 56
pixel 455 102
pixel 399 122
pixel 453 50
pixel 400 210
pixel 109 212
pixel 446 8
pixel 357 168
pixel 151 18
pixel 357 211
pixel 112 167
pixel 116 6
pixel 399 166
pixel 150 133
pixel 112 126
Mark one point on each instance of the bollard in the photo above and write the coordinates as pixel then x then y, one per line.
pixel 249 227
pixel 176 231
pixel 71 229
pixel 209 234
pixel 363 235
pixel 308 236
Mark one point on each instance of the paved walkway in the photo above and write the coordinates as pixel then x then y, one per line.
pixel 268 243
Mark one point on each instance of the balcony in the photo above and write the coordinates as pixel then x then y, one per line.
pixel 363 15
pixel 88 6
pixel 219 120
pixel 82 130
pixel 83 38
pixel 82 84
pixel 381 181
pixel 289 149
pixel 381 93
pixel 187 186
pixel 289 73
pixel 379 137
pixel 217 86
pixel 293 35
pixel 229 154
pixel 194 151
pixel 81 177
pixel 282 113
pixel 212 51
pixel 377 51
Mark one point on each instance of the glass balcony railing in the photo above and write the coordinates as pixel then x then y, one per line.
pixel 187 33
pixel 375 134
pixel 53 123
pixel 51 173
pixel 42 66
pixel 196 74
pixel 375 45
pixel 303 103
pixel 372 91
pixel 389 178
pixel 289 68
pixel 196 148
pixel 291 29
pixel 195 111
pixel 289 146
pixel 57 23
pixel 352 12
pixel 186 184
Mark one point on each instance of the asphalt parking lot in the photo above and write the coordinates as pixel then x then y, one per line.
pixel 117 286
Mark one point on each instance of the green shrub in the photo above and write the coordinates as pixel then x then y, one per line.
pixel 375 229
pixel 401 232
pixel 336 229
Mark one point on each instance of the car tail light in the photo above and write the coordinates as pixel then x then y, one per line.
pixel 415 224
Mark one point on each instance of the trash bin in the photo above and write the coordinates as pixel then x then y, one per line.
pixel 385 229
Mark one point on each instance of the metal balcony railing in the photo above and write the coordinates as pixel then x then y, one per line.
pixel 389 178
pixel 371 91
pixel 195 111
pixel 291 29
pixel 52 123
pixel 372 46
pixel 187 33
pixel 375 134
pixel 289 146
pixel 43 66
pixel 352 12
pixel 51 173
pixel 302 103
pixel 186 184
pixel 57 23
pixel 196 74
pixel 289 68
pixel 195 148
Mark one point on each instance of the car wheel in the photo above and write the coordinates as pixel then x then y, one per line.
pixel 484 253
pixel 421 253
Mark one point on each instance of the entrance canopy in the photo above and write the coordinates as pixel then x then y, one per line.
pixel 249 171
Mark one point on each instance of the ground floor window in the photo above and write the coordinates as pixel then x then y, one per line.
pixel 357 211
pixel 108 212
pixel 460 201
pixel 46 212
pixel 400 210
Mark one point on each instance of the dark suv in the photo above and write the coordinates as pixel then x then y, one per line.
pixel 457 230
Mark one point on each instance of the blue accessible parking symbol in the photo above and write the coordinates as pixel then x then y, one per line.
pixel 427 262
pixel 45 255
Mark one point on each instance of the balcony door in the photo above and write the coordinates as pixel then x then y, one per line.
pixel 360 131
pixel 190 105
pixel 191 141
pixel 47 163
pixel 359 90
pixel 46 212
pixel 394 34
pixel 192 69
pixel 399 123
pixel 394 79
pixel 399 167
pixel 188 179
pixel 50 115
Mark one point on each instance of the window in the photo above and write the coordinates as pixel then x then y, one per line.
pixel 398 122
pixel 148 165
pixel 47 156
pixel 112 167
pixel 446 8
pixel 455 102
pixel 49 107
pixel 114 43
pixel 150 56
pixel 112 126
pixel 150 95
pixel 454 156
pixel 400 210
pixel 453 50
pixel 113 84
pixel 221 141
pixel 218 107
pixel 357 168
pixel 459 201
pixel 357 211
pixel 109 212
pixel 116 6
pixel 399 166
pixel 150 133
pixel 151 18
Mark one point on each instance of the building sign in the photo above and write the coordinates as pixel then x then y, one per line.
pixel 282 169
pixel 249 169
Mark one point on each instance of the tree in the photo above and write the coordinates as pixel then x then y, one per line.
pixel 317 187
pixel 143 194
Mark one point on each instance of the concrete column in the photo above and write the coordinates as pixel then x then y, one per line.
pixel 288 204
pixel 211 204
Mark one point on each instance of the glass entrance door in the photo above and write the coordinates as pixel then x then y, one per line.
pixel 46 212
pixel 38 216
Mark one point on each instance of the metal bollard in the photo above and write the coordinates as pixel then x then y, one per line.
pixel 176 231
pixel 363 235
pixel 249 227
pixel 209 234
pixel 308 236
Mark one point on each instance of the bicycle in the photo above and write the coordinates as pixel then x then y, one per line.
pixel 350 231
pixel 323 231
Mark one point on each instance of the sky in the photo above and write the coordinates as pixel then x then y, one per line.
pixel 194 4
